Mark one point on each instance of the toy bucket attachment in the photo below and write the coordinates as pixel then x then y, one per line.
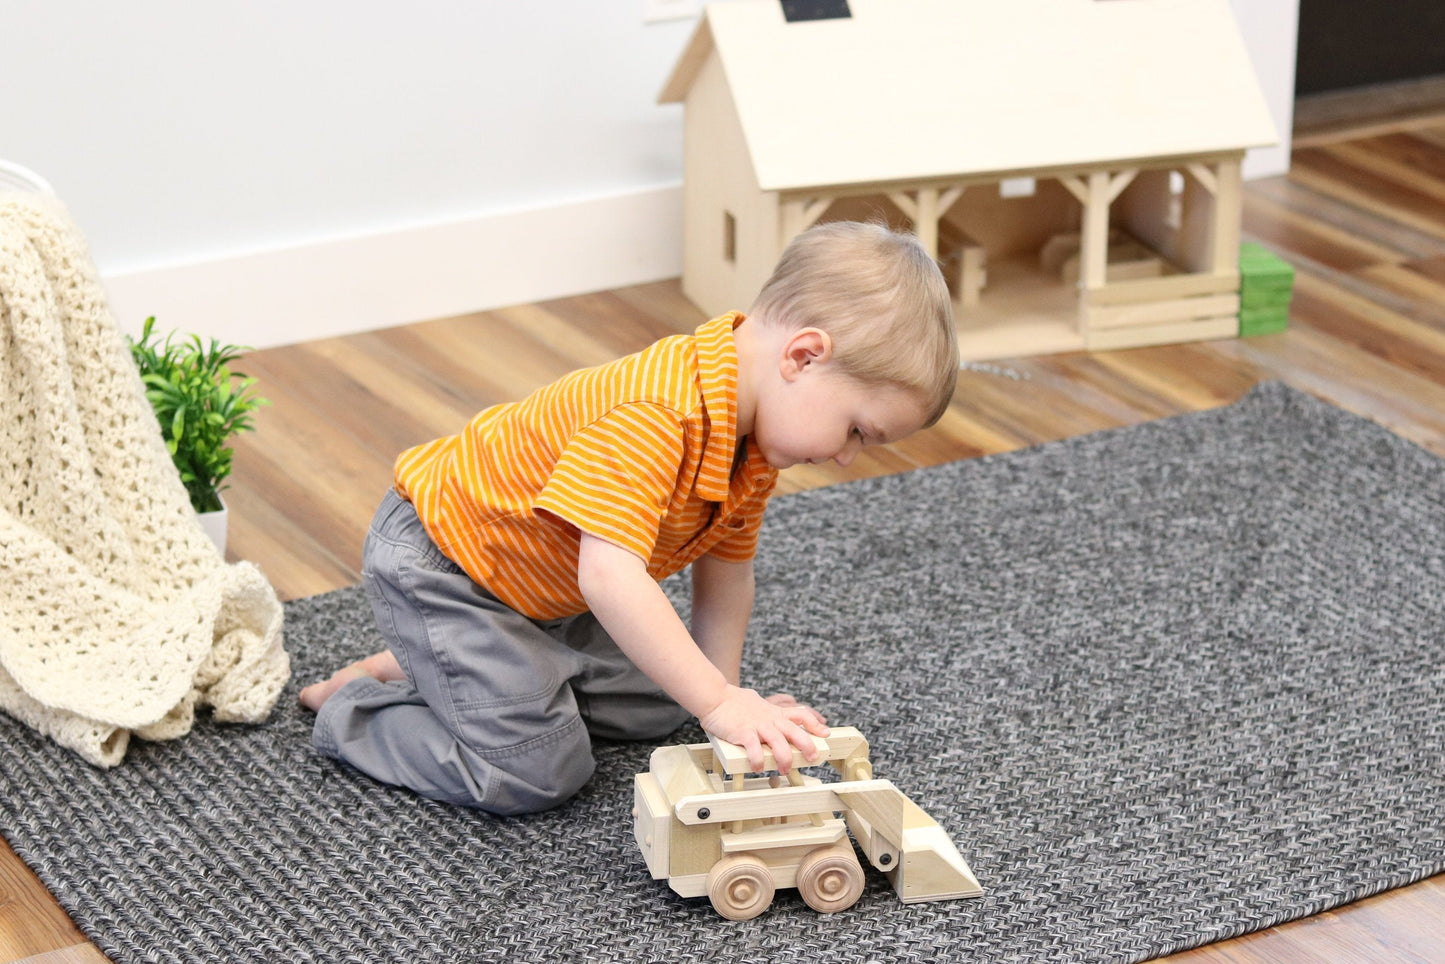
pixel 904 842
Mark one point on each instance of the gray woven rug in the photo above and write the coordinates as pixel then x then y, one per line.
pixel 1163 685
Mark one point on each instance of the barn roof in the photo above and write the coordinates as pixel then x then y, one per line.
pixel 906 90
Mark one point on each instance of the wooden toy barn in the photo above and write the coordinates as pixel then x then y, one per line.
pixel 1073 164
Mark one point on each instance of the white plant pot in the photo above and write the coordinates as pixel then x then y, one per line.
pixel 214 523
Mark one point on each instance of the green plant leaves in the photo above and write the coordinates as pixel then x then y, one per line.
pixel 200 403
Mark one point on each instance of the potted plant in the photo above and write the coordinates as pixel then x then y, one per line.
pixel 200 403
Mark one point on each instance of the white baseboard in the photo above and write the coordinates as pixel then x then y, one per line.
pixel 361 283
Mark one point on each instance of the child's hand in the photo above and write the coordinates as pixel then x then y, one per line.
pixel 787 700
pixel 779 722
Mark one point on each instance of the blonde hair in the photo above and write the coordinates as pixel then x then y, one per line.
pixel 880 298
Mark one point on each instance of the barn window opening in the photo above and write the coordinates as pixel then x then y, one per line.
pixel 730 238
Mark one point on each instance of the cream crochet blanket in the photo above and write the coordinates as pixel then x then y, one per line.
pixel 117 614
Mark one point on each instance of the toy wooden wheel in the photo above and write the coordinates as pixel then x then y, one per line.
pixel 740 886
pixel 830 878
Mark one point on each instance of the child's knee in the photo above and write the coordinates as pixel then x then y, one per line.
pixel 529 777
pixel 663 720
pixel 642 718
pixel 533 785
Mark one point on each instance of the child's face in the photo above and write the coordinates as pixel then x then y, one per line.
pixel 821 415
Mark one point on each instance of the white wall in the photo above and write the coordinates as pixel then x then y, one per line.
pixel 274 170
pixel 282 168
pixel 1271 29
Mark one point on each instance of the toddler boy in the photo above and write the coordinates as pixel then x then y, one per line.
pixel 514 568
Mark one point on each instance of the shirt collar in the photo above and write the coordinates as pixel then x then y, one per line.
pixel 718 375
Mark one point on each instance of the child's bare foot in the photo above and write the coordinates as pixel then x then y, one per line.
pixel 318 693
pixel 381 666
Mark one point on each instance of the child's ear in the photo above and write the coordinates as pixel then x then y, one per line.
pixel 803 348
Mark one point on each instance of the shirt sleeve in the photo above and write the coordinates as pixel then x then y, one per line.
pixel 615 478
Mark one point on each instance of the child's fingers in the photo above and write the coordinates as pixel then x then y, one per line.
pixel 782 751
pixel 754 749
pixel 798 735
pixel 817 723
pixel 785 700
pixel 809 719
pixel 814 721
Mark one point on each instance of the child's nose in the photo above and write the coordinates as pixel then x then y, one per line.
pixel 850 451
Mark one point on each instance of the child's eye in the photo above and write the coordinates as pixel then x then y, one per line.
pixel 858 432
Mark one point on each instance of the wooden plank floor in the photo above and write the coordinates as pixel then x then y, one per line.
pixel 1361 215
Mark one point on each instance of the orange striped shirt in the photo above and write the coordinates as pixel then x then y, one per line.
pixel 639 451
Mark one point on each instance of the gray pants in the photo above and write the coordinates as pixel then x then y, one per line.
pixel 497 710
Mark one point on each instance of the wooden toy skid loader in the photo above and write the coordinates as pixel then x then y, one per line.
pixel 707 827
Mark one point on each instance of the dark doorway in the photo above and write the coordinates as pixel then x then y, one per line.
pixel 1346 43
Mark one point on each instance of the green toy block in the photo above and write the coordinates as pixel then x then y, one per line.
pixel 1266 282
pixel 1252 251
pixel 1256 297
pixel 1262 321
pixel 1262 269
